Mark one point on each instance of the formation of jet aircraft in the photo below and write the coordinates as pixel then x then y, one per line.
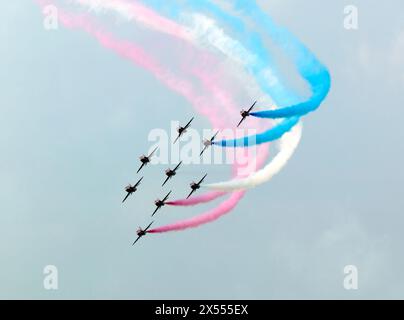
pixel 170 173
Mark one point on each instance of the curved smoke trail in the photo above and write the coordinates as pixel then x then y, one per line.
pixel 308 66
pixel 306 63
pixel 135 54
pixel 287 146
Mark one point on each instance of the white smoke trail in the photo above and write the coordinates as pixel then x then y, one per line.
pixel 287 145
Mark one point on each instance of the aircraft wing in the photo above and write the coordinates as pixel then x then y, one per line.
pixel 241 121
pixel 138 183
pixel 136 241
pixel 252 107
pixel 166 197
pixel 168 178
pixel 179 136
pixel 141 167
pixel 189 123
pixel 155 211
pixel 178 165
pixel 151 154
pixel 127 196
pixel 204 149
pixel 191 193
pixel 202 179
pixel 214 137
pixel 148 227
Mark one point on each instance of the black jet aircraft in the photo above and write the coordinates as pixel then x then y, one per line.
pixel 146 159
pixel 195 186
pixel 131 189
pixel 141 233
pixel 160 203
pixel 246 113
pixel 207 143
pixel 182 130
pixel 171 173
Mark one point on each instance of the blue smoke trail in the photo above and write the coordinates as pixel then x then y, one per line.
pixel 270 135
pixel 315 73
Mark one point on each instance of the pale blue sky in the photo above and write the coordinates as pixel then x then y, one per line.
pixel 71 128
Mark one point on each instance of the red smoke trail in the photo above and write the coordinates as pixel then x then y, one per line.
pixel 209 216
